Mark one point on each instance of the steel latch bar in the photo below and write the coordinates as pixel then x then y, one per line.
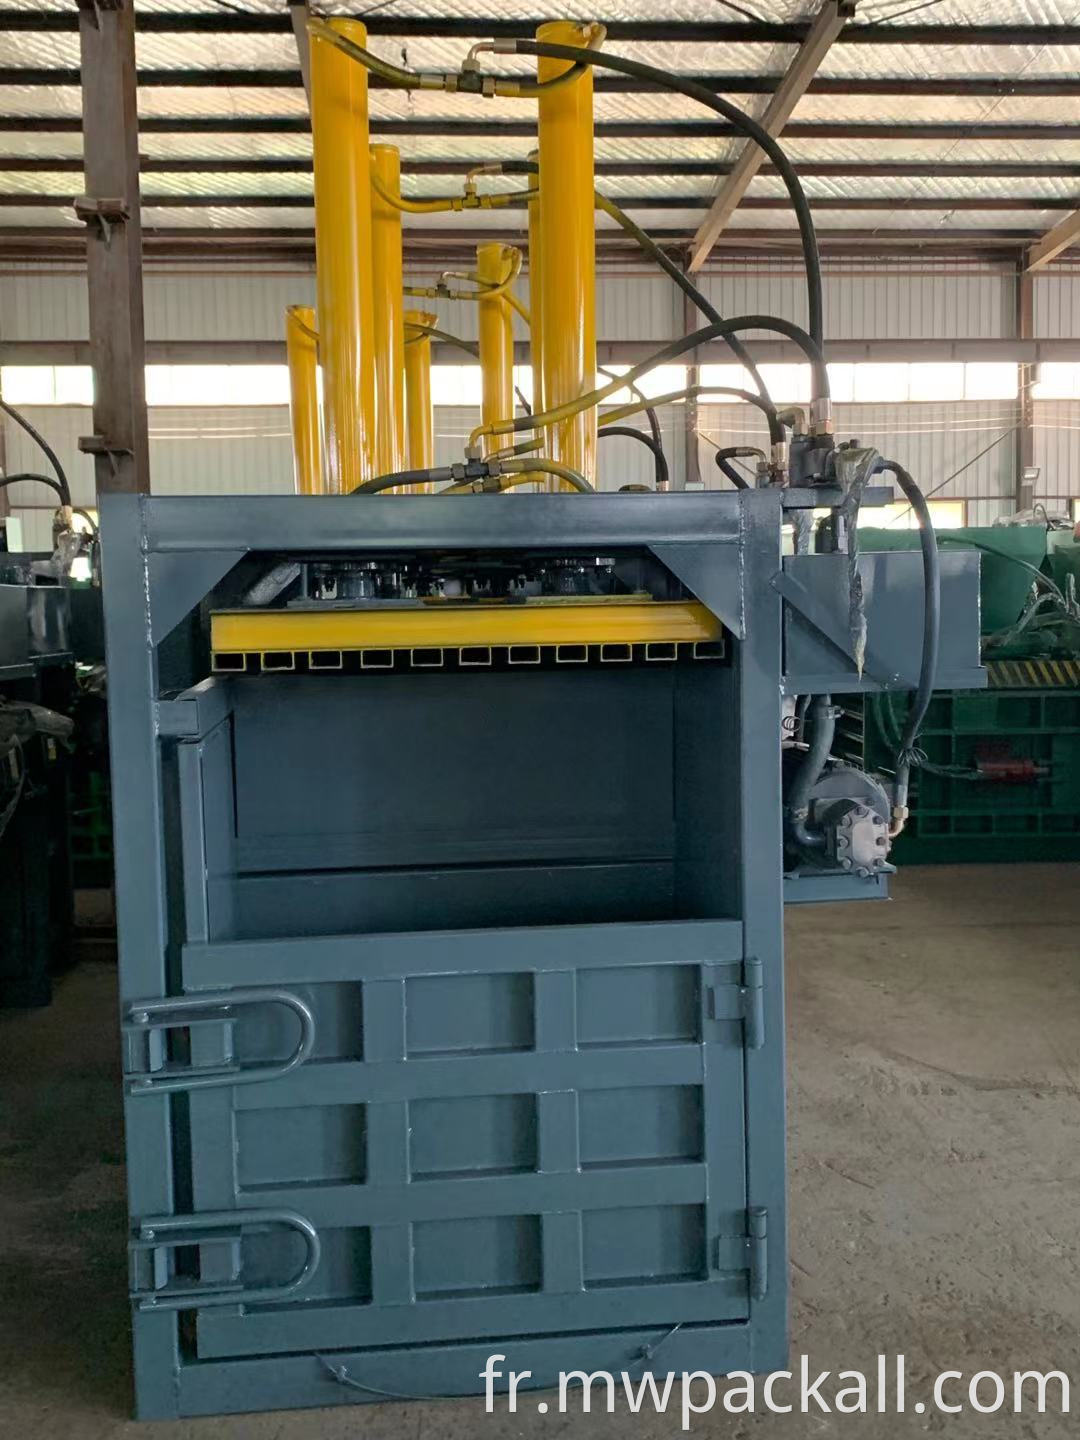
pixel 159 1234
pixel 146 1019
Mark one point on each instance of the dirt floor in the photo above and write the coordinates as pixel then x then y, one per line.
pixel 935 1142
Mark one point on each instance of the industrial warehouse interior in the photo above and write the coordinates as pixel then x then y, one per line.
pixel 518 932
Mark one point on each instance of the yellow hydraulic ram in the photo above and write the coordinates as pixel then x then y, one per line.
pixel 419 420
pixel 494 263
pixel 440 625
pixel 567 310
pixel 536 308
pixel 346 320
pixel 301 348
pixel 389 309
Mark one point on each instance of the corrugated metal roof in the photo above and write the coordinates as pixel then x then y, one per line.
pixel 956 64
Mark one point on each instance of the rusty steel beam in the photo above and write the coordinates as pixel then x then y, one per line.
pixel 113 238
pixel 828 23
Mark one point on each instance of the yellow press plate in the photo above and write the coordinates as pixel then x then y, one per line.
pixel 443 625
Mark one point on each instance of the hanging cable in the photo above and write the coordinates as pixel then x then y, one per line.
pixel 656 253
pixel 668 352
pixel 65 497
pixel 660 465
pixel 62 487
pixel 663 475
pixel 747 126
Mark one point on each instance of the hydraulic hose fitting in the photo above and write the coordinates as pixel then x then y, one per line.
pixel 821 416
pixel 778 462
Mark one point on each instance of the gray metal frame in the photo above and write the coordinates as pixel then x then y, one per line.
pixel 174 832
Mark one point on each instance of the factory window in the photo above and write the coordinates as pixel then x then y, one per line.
pixel 991 380
pixel 936 382
pixel 47 384
pixel 1057 380
pixel 946 515
pixel 181 385
pixel 664 380
pixel 455 384
pixel 217 385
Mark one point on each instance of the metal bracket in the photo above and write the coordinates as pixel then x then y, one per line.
pixel 106 213
pixel 152 1275
pixel 97 446
pixel 828 625
pixel 145 1050
pixel 749 1006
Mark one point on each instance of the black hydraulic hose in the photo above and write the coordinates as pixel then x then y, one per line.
pixel 742 122
pixel 436 475
pixel 907 755
pixel 63 488
pixel 823 717
pixel 663 475
pixel 682 280
pixel 696 338
pixel 660 464
pixel 724 465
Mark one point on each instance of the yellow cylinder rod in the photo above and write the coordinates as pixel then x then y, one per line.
pixel 496 334
pixel 344 289
pixel 567 250
pixel 389 301
pixel 302 352
pixel 420 429
pixel 536 270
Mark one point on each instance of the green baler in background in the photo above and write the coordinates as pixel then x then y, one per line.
pixel 1001 780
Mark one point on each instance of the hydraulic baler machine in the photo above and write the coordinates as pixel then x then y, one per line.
pixel 453 828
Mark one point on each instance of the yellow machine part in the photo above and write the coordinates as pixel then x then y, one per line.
pixel 496 335
pixel 567 251
pixel 345 293
pixel 301 347
pixel 419 418
pixel 389 334
pixel 1032 674
pixel 445 625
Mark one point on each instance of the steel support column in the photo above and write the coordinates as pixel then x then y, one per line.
pixel 110 209
pixel 691 319
pixel 1025 432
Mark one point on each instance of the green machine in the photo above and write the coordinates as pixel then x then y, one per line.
pixel 1001 776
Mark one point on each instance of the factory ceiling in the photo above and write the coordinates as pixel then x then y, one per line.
pixel 925 125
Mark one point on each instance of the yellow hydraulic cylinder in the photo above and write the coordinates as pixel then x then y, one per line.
pixel 420 445
pixel 567 250
pixel 496 334
pixel 343 255
pixel 536 309
pixel 389 312
pixel 302 352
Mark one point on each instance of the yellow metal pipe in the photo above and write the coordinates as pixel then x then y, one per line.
pixel 567 249
pixel 494 262
pixel 536 309
pixel 344 288
pixel 301 348
pixel 389 313
pixel 419 423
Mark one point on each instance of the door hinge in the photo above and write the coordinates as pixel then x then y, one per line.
pixel 147 1064
pixel 744 1001
pixel 156 1285
pixel 749 1252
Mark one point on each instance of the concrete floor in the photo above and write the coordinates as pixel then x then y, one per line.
pixel 935 1100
